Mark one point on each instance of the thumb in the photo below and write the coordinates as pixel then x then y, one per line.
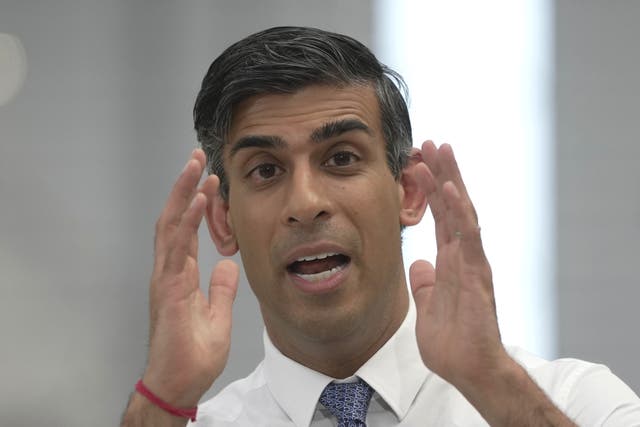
pixel 422 277
pixel 223 287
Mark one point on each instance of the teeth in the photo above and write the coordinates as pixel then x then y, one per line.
pixel 320 276
pixel 315 257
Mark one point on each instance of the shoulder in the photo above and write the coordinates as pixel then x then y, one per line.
pixel 588 392
pixel 554 375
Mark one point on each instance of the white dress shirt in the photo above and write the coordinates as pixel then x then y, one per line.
pixel 282 392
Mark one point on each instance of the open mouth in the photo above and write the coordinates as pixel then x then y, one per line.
pixel 318 267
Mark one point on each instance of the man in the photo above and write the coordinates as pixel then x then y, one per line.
pixel 313 177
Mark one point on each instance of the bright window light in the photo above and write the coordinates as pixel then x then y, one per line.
pixel 479 76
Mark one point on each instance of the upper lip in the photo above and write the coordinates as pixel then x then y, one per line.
pixel 312 250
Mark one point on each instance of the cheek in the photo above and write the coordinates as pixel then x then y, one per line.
pixel 378 204
pixel 376 216
pixel 250 226
pixel 254 246
pixel 256 223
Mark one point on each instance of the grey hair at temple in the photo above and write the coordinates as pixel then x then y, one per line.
pixel 285 60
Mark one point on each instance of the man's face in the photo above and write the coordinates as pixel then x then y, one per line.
pixel 315 209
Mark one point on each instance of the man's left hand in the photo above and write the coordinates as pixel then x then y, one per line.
pixel 457 328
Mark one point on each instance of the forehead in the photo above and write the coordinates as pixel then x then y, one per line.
pixel 304 110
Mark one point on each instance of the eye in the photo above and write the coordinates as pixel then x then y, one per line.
pixel 264 172
pixel 342 158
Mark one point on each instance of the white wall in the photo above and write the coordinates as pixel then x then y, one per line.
pixel 480 75
pixel 88 152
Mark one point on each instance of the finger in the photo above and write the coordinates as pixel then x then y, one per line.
pixel 440 217
pixel 210 187
pixel 223 287
pixel 436 202
pixel 184 241
pixel 451 172
pixel 199 155
pixel 430 156
pixel 179 198
pixel 422 277
pixel 464 224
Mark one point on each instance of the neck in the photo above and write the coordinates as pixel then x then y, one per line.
pixel 342 353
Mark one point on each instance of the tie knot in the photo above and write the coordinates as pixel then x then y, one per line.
pixel 348 402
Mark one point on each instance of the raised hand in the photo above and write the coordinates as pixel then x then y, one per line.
pixel 190 332
pixel 457 327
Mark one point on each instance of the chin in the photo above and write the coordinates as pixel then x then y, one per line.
pixel 330 324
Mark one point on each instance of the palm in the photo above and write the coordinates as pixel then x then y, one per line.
pixel 190 333
pixel 457 329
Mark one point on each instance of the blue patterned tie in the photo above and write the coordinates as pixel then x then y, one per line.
pixel 348 402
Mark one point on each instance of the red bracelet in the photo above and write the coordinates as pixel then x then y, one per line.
pixel 185 413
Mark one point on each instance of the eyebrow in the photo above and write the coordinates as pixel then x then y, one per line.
pixel 326 131
pixel 259 141
pixel 336 128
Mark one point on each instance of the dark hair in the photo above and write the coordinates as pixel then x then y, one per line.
pixel 285 60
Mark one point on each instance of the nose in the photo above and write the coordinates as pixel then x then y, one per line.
pixel 307 202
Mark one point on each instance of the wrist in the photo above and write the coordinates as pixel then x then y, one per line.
pixel 170 389
pixel 141 412
pixel 189 412
pixel 494 390
pixel 489 374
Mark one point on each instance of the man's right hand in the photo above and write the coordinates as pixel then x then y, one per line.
pixel 189 333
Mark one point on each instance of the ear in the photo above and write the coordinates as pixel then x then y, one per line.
pixel 414 184
pixel 218 218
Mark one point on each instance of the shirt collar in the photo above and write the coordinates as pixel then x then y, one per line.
pixel 396 372
pixel 295 387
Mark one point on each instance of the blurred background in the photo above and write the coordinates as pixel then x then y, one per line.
pixel 540 99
